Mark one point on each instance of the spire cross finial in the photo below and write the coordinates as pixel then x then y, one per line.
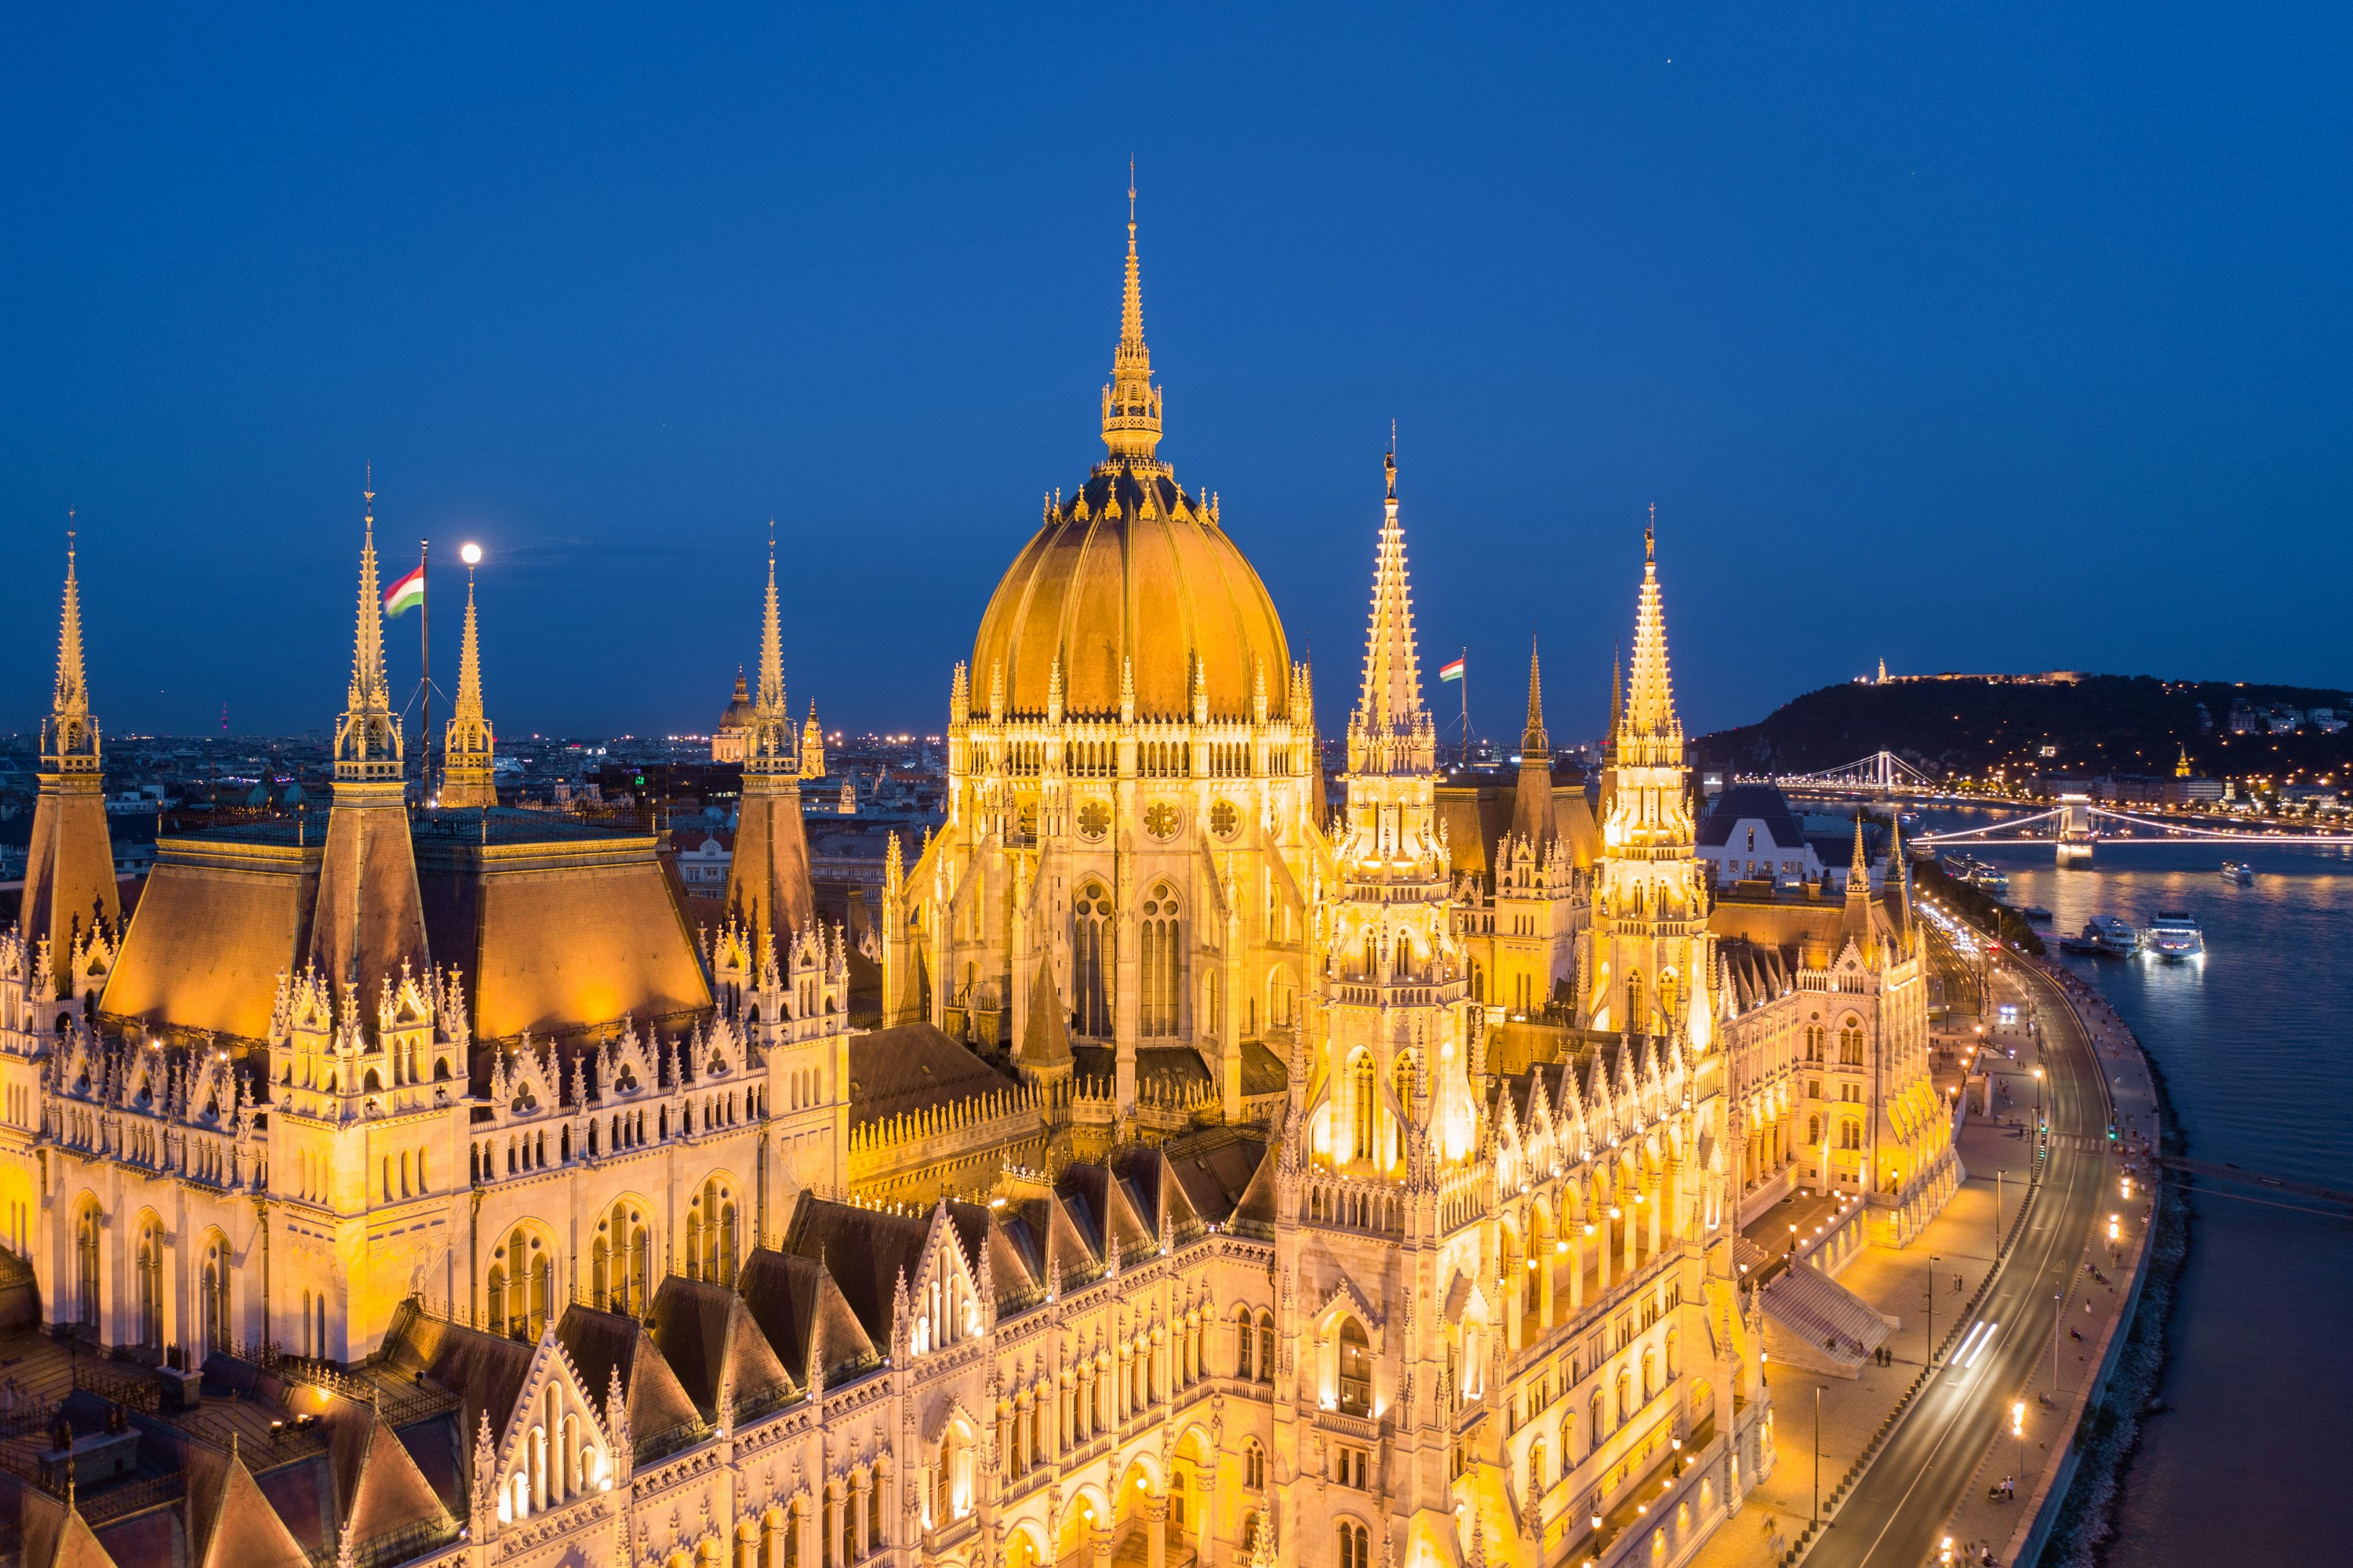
pixel 1131 198
pixel 1650 536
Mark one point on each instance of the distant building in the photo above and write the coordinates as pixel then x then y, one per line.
pixel 812 746
pixel 703 857
pixel 1752 836
pixel 729 741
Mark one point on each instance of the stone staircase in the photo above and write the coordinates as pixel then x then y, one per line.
pixel 1822 1325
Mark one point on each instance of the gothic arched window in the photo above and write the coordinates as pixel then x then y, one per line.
pixel 1163 965
pixel 1094 953
pixel 1360 1078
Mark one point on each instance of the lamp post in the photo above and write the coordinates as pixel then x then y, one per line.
pixel 1818 1452
pixel 1932 1261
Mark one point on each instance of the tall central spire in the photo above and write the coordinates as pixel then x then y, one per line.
pixel 367 741
pixel 1131 404
pixel 1391 730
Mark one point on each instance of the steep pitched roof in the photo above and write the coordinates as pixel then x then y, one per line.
pixel 803 1313
pixel 601 1343
pixel 231 1523
pixel 712 1343
pixel 486 1372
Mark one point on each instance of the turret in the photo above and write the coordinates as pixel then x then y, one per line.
pixel 465 760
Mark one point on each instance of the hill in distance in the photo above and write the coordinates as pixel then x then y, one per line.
pixel 2092 724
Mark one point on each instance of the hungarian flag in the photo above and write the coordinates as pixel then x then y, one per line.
pixel 1451 672
pixel 405 594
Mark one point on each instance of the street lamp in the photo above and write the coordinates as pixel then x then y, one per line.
pixel 1932 1261
pixel 1818 1453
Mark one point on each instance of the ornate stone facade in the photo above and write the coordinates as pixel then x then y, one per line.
pixel 1225 1184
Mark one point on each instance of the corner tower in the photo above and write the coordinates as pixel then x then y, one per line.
pixel 69 892
pixel 1650 961
pixel 1385 1136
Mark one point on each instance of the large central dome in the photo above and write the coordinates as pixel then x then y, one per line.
pixel 1132 572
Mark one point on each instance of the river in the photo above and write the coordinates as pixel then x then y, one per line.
pixel 2257 1054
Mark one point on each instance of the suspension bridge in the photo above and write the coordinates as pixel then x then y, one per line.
pixel 2072 828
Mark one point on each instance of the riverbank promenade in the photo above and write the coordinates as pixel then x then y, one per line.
pixel 1942 1449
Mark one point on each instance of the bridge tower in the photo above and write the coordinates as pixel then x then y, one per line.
pixel 2075 830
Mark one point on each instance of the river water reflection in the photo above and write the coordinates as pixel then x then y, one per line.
pixel 2256 1046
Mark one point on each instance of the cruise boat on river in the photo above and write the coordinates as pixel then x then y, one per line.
pixel 2104 935
pixel 2238 872
pixel 2174 936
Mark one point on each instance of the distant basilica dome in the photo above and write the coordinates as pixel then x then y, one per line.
pixel 731 741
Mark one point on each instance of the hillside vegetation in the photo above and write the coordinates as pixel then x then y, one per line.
pixel 2102 724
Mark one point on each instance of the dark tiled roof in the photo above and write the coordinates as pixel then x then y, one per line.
pixel 910 1068
pixel 1751 802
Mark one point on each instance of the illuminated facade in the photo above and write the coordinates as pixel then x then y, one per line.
pixel 1226 1183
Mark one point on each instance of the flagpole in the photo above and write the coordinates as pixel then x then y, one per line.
pixel 1465 683
pixel 425 655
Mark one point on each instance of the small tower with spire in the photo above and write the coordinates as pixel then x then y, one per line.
pixel 1648 961
pixel 812 746
pixel 768 879
pixel 69 892
pixel 368 929
pixel 466 777
pixel 1130 403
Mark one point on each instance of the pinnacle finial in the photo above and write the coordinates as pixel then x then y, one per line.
pixel 367 739
pixel 466 777
pixel 1534 738
pixel 1390 726
pixel 1650 537
pixel 1131 404
pixel 72 699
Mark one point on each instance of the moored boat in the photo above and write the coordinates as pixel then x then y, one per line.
pixel 2174 935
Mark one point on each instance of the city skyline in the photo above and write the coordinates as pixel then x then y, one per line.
pixel 1832 296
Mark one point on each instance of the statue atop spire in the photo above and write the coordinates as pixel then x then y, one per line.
pixel 1391 731
pixel 466 782
pixel 367 740
pixel 1131 404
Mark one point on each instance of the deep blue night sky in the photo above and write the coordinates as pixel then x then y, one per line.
pixel 2008 339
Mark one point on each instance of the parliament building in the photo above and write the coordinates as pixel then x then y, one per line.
pixel 1243 1168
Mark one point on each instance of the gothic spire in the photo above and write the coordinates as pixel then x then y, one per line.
pixel 771 640
pixel 69 741
pixel 1534 741
pixel 1131 404
pixel 1534 817
pixel 1389 710
pixel 1646 722
pixel 466 777
pixel 367 741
